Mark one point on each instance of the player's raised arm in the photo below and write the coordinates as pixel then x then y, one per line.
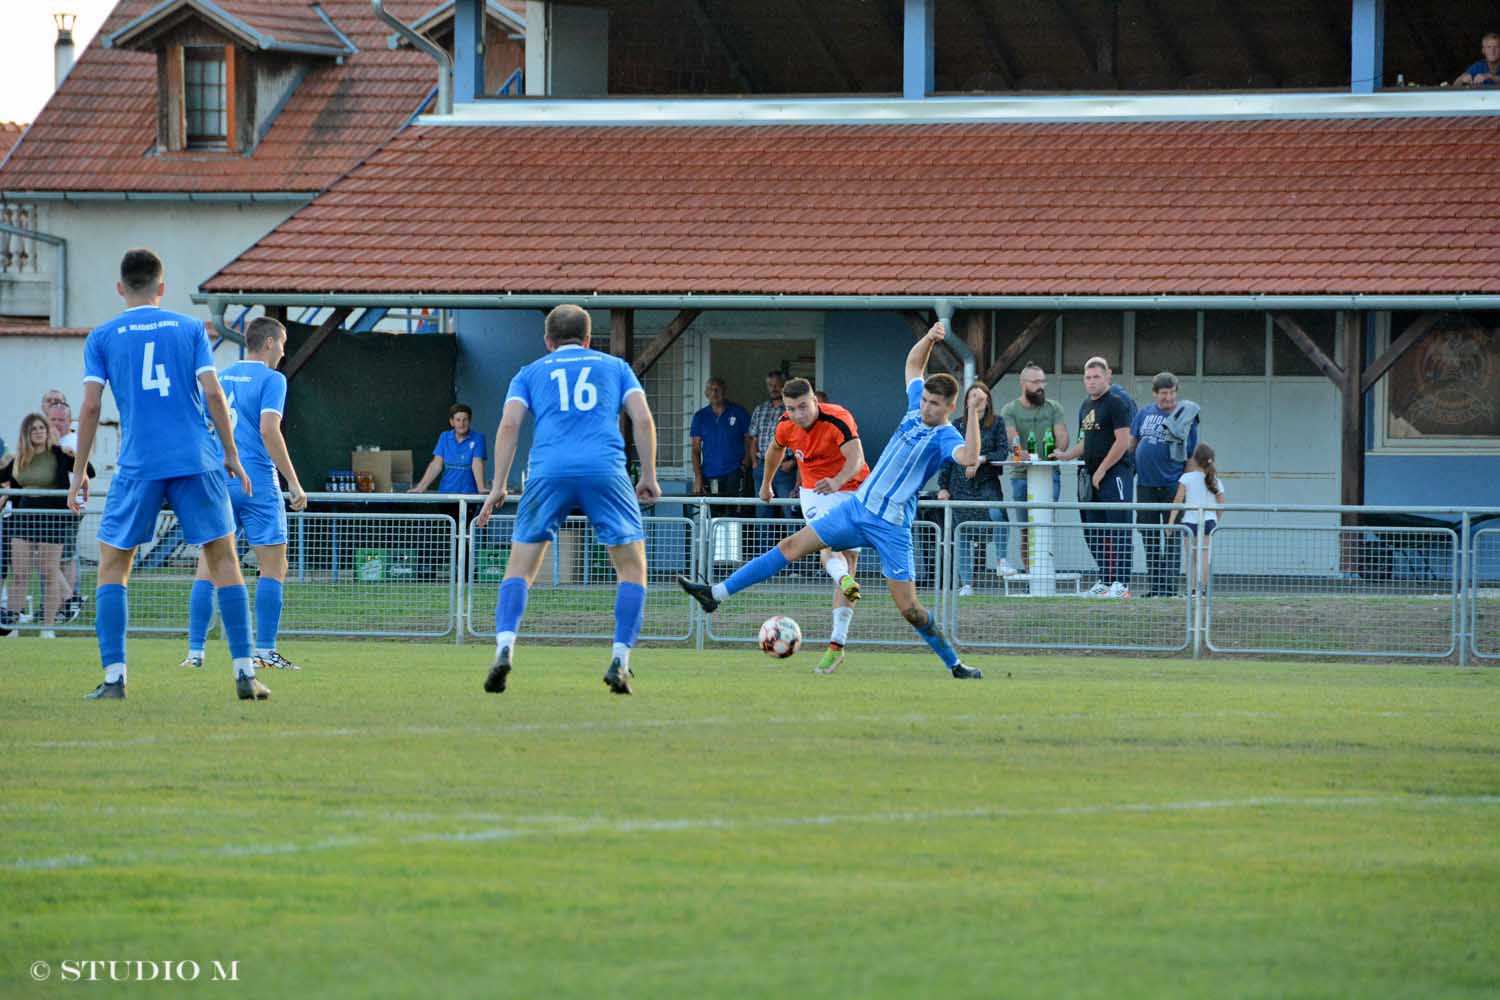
pixel 88 428
pixel 643 431
pixel 270 433
pixel 969 453
pixel 218 411
pixel 506 437
pixel 916 361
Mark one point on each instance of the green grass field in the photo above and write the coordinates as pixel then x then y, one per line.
pixel 1065 827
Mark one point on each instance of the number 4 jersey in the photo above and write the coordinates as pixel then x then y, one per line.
pixel 574 395
pixel 151 359
pixel 253 389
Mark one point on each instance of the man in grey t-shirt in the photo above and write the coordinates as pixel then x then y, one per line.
pixel 1032 413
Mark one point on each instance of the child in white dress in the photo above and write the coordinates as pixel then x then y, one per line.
pixel 1198 488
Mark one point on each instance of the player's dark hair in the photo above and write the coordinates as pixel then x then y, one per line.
pixel 568 324
pixel 458 408
pixel 796 389
pixel 260 330
pixel 1203 458
pixel 140 270
pixel 988 420
pixel 942 384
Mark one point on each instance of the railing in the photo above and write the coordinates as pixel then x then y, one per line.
pixel 1286 586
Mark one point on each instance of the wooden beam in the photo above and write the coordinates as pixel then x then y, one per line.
pixel 947 357
pixel 1309 347
pixel 1019 346
pixel 977 328
pixel 662 341
pixel 1408 339
pixel 1352 411
pixel 314 343
pixel 622 333
pixel 830 52
pixel 999 55
pixel 735 57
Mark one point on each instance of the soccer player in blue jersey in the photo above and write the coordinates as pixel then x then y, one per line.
pixel 160 368
pixel 884 506
pixel 256 393
pixel 577 459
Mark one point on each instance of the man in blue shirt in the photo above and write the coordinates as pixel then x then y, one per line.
pixel 721 444
pixel 161 371
pixel 256 393
pixel 574 396
pixel 459 455
pixel 1159 463
pixel 884 506
pixel 1485 72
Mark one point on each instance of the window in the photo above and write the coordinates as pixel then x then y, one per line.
pixel 1166 342
pixel 205 96
pixel 1043 350
pixel 1089 334
pixel 1440 395
pixel 1234 343
pixel 1288 359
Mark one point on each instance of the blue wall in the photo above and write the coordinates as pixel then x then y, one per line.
pixel 492 345
pixel 1432 480
pixel 862 371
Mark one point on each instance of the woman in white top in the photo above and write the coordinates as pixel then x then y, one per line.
pixel 1199 487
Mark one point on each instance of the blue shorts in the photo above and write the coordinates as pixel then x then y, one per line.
pixel 851 524
pixel 608 502
pixel 261 517
pixel 200 502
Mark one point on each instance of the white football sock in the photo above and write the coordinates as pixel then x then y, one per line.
pixel 720 592
pixel 621 652
pixel 244 666
pixel 195 652
pixel 842 619
pixel 837 567
pixel 504 640
pixel 114 673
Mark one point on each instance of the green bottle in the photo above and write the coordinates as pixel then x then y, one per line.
pixel 1031 442
pixel 1049 445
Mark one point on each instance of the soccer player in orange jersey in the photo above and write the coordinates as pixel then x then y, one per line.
pixel 831 458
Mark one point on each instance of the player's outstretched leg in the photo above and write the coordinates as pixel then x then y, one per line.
pixel 200 615
pixel 764 566
pixel 839 566
pixel 904 592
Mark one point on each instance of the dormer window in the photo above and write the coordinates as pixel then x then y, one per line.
pixel 205 97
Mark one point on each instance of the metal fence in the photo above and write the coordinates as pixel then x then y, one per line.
pixel 1272 581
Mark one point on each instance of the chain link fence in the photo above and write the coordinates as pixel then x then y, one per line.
pixel 573 597
pixel 1280 581
pixel 1367 607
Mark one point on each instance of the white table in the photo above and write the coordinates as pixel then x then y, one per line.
pixel 1042 569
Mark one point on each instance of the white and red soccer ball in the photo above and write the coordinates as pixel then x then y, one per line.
pixel 780 637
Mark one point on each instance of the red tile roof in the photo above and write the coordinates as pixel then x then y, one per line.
pixel 10 134
pixel 96 132
pixel 1275 207
pixel 279 23
pixel 13 327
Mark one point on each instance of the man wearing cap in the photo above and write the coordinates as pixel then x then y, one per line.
pixel 1163 435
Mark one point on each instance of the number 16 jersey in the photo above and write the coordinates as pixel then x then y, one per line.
pixel 574 395
pixel 151 359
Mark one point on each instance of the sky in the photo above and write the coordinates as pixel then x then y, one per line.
pixel 27 32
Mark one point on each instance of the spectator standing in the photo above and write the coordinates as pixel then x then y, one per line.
pixel 763 421
pixel 1032 414
pixel 35 530
pixel 64 434
pixel 1485 72
pixel 1163 435
pixel 721 444
pixel 1103 441
pixel 1200 489
pixel 458 457
pixel 980 481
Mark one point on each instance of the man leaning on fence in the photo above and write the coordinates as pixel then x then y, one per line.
pixel 1163 435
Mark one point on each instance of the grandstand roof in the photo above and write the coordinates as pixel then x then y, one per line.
pixel 10 134
pixel 98 132
pixel 1283 207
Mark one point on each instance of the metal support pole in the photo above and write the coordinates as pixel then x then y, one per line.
pixel 1466 593
pixel 460 571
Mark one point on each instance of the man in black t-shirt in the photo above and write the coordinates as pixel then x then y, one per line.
pixel 1103 442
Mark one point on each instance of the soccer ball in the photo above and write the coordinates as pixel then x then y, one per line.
pixel 780 637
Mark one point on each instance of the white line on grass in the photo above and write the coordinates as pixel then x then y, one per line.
pixel 522 827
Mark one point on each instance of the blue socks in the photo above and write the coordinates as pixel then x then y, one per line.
pixel 762 567
pixel 940 645
pixel 200 613
pixel 630 612
pixel 267 613
pixel 111 617
pixel 234 612
pixel 511 604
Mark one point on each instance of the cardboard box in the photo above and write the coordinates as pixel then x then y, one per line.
pixel 385 467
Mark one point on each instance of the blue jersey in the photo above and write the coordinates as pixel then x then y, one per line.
pixel 910 458
pixel 458 461
pixel 574 395
pixel 252 389
pixel 151 359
